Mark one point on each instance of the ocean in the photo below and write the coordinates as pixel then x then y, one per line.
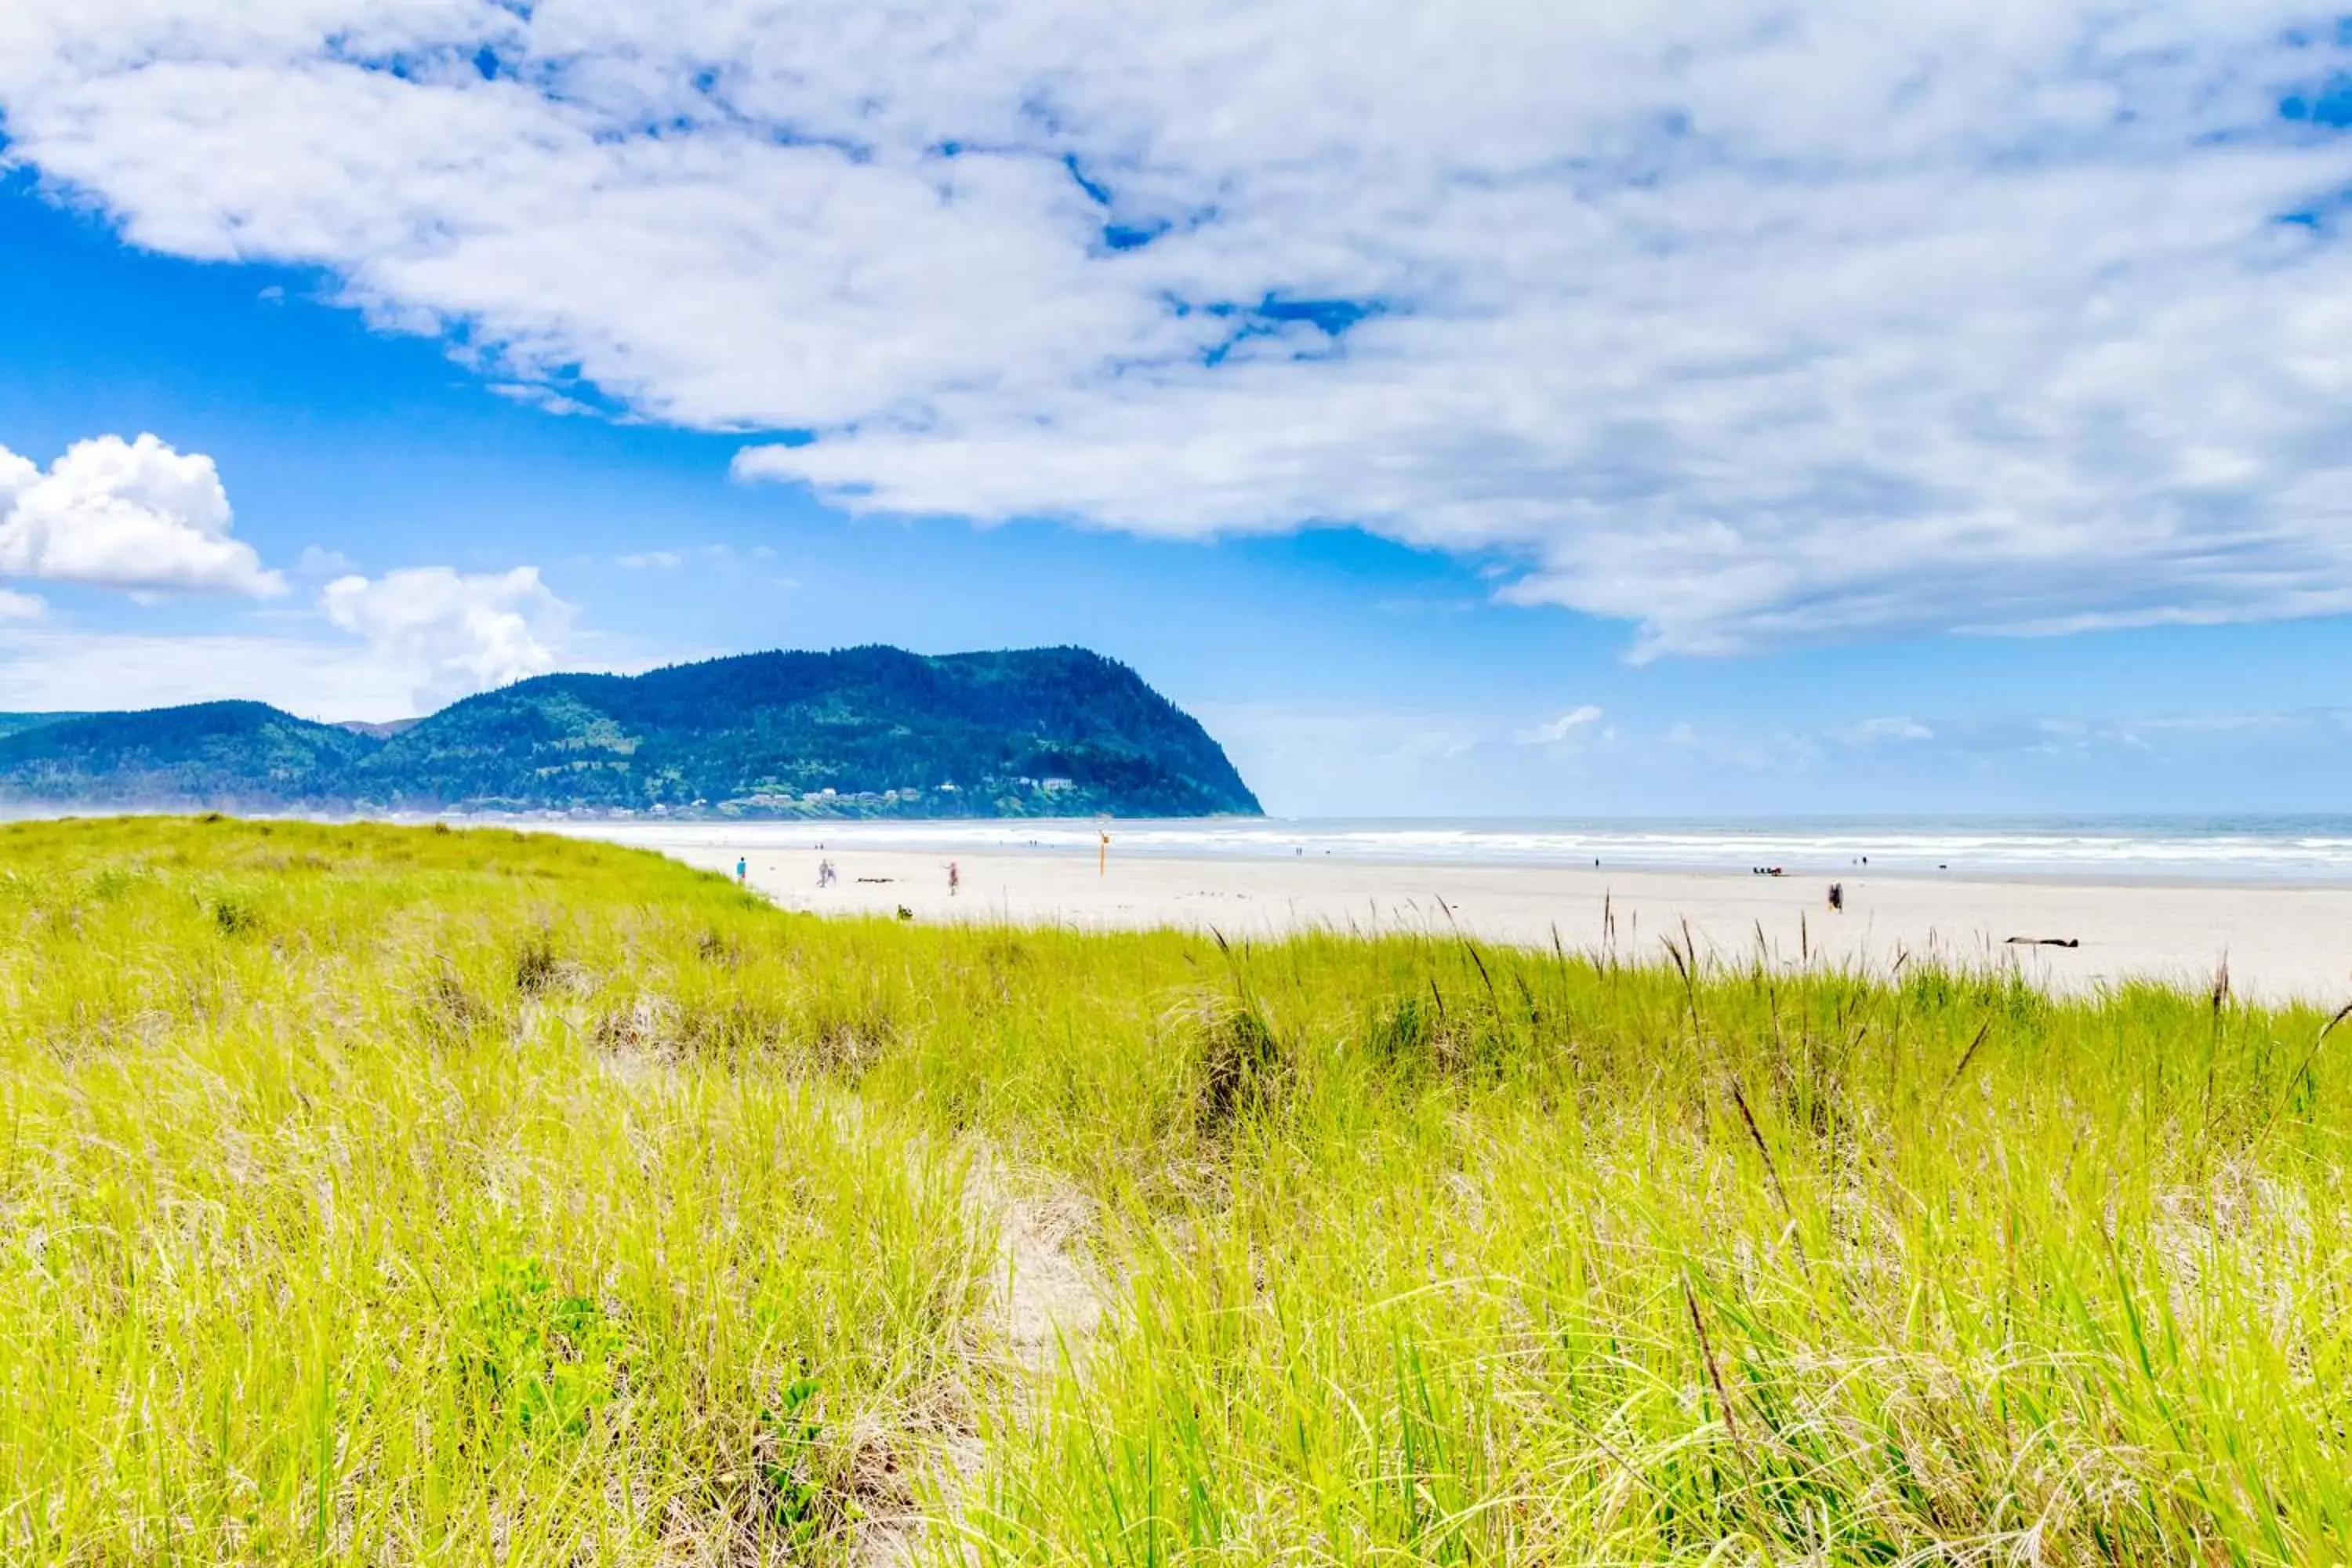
pixel 2308 850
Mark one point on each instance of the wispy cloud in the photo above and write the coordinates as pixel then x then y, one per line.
pixel 1881 731
pixel 58 668
pixel 1559 728
pixel 1747 325
pixel 546 399
pixel 706 554
pixel 1425 607
pixel 318 561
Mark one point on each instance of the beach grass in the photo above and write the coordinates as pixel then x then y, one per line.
pixel 390 1195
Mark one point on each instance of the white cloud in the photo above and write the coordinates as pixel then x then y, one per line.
pixel 20 606
pixel 546 399
pixel 134 515
pixel 452 634
pixel 1748 324
pixel 1559 728
pixel 724 556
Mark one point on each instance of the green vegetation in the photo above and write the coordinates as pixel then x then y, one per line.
pixel 224 751
pixel 1051 732
pixel 15 723
pixel 388 1195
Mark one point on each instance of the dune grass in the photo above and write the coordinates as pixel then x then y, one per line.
pixel 381 1195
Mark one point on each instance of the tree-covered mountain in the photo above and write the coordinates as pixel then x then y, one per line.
pixel 866 732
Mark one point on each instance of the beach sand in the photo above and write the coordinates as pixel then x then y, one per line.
pixel 2281 943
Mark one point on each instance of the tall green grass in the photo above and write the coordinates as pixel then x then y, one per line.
pixel 384 1195
pixel 365 1197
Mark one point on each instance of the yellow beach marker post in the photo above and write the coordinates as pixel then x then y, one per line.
pixel 1102 855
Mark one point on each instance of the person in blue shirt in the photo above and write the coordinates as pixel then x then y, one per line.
pixel 742 871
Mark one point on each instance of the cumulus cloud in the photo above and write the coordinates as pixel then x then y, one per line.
pixel 1745 324
pixel 454 634
pixel 1559 728
pixel 134 515
pixel 20 606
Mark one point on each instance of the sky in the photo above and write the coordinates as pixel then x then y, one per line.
pixel 1488 408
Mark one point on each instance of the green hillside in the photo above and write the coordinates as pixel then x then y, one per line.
pixel 17 724
pixel 229 754
pixel 1055 731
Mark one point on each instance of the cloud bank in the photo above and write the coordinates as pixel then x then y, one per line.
pixel 52 669
pixel 1745 324
pixel 134 515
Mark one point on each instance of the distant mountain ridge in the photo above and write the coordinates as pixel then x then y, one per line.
pixel 859 732
pixel 16 723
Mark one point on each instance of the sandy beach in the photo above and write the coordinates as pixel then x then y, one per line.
pixel 2281 943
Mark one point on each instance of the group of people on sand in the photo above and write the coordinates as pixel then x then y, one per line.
pixel 1837 890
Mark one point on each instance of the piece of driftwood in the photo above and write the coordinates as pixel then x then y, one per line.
pixel 2044 942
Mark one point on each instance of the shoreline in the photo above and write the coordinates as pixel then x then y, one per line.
pixel 1131 844
pixel 2282 943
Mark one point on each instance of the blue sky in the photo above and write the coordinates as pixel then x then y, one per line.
pixel 1701 411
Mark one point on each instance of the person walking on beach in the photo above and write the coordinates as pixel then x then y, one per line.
pixel 955 878
pixel 742 870
pixel 1837 898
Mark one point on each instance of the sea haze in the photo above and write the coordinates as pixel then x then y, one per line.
pixel 2072 848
